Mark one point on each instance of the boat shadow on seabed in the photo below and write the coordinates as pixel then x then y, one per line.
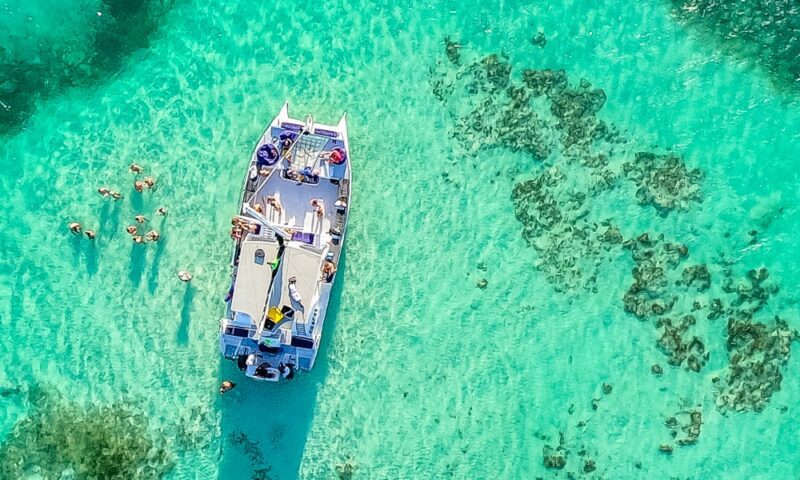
pixel 265 424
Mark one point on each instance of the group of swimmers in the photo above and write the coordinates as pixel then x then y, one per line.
pixel 76 228
pixel 151 236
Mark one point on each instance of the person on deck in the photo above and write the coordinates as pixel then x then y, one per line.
pixel 328 269
pixel 319 207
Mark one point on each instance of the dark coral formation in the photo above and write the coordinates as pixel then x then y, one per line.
pixel 252 449
pixel 548 117
pixel 763 32
pixel 685 427
pixel 569 248
pixel 653 295
pixel 663 181
pixel 678 345
pixel 556 121
pixel 555 458
pixel 59 439
pixel 756 350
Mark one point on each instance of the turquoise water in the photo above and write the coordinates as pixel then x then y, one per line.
pixel 424 374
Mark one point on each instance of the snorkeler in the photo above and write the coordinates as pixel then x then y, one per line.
pixel 226 386
pixel 152 236
pixel 104 191
pixel 140 219
pixel 162 211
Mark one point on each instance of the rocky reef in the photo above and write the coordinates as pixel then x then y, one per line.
pixel 556 121
pixel 59 439
pixel 685 426
pixel 663 181
pixel 756 350
pixel 579 161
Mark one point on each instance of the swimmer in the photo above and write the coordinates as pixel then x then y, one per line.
pixel 319 207
pixel 184 276
pixel 149 182
pixel 90 234
pixel 131 229
pixel 75 228
pixel 161 212
pixel 104 191
pixel 136 168
pixel 140 219
pixel 138 239
pixel 115 195
pixel 152 235
pixel 138 185
pixel 226 386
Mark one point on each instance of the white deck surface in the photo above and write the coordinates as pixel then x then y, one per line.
pixel 296 202
pixel 305 266
pixel 252 279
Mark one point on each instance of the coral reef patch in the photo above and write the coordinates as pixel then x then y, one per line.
pixel 555 121
pixel 59 439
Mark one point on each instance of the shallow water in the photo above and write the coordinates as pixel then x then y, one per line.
pixel 423 373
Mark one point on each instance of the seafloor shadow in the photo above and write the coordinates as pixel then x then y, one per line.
pixel 265 425
pixel 152 277
pixel 182 336
pixel 138 257
pixel 91 257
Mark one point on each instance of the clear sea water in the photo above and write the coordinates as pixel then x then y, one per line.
pixel 423 374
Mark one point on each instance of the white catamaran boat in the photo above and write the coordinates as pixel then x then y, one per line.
pixel 288 239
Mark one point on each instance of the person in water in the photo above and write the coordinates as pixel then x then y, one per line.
pixel 138 239
pixel 75 228
pixel 152 236
pixel 115 195
pixel 90 234
pixel 104 191
pixel 138 185
pixel 185 276
pixel 140 219
pixel 131 229
pixel 136 168
pixel 226 386
pixel 162 211
pixel 149 182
